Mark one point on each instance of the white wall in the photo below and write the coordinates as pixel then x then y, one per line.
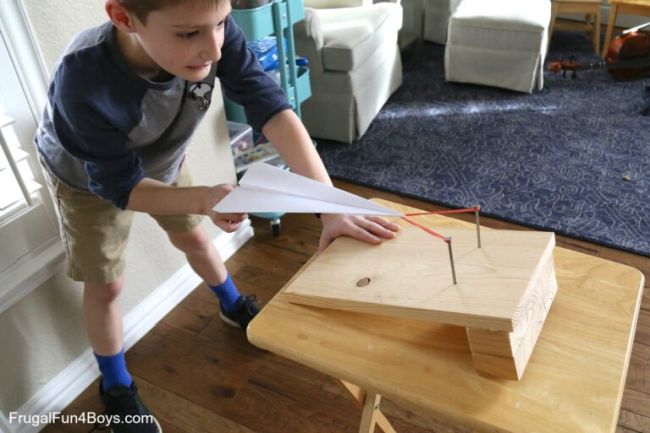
pixel 43 333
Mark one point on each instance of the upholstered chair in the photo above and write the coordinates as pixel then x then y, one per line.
pixel 499 43
pixel 354 63
pixel 427 20
pixel 436 19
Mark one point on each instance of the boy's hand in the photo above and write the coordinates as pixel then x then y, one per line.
pixel 367 229
pixel 228 222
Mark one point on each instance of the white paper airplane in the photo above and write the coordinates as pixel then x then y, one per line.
pixel 265 188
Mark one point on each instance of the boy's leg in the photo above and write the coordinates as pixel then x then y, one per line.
pixel 235 309
pixel 201 254
pixel 103 323
pixel 186 234
pixel 95 233
pixel 102 318
pixel 117 391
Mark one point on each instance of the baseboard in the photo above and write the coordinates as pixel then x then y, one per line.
pixel 19 281
pixel 75 378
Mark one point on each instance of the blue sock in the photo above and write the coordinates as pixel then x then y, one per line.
pixel 113 370
pixel 227 294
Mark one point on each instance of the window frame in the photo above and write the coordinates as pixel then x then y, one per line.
pixel 45 261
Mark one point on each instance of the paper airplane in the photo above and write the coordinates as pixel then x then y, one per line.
pixel 265 188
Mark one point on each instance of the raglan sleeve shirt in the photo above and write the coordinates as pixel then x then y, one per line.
pixel 93 128
pixel 95 106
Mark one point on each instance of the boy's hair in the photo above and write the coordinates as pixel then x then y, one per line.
pixel 142 8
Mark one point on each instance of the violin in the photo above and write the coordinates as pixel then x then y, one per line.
pixel 628 57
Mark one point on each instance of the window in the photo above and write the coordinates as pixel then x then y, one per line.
pixel 20 191
pixel 30 250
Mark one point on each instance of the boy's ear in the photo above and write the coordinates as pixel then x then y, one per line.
pixel 119 16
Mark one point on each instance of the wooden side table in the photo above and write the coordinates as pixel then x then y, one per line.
pixel 631 7
pixel 574 381
pixel 591 10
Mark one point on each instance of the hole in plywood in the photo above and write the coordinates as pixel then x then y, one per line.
pixel 363 282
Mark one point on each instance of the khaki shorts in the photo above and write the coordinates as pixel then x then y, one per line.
pixel 95 232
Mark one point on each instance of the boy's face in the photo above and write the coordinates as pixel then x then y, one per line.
pixel 186 39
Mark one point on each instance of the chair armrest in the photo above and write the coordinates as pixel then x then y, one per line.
pixel 309 40
pixel 328 4
pixel 309 29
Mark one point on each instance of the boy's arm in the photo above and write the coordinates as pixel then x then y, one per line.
pixel 289 136
pixel 158 198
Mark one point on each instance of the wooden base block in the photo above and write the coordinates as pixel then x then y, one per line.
pixel 506 354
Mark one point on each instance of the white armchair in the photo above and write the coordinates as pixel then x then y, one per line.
pixel 427 19
pixel 436 19
pixel 499 43
pixel 354 63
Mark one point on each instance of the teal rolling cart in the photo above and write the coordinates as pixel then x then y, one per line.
pixel 276 18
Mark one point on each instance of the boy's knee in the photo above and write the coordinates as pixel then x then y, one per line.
pixel 191 241
pixel 104 292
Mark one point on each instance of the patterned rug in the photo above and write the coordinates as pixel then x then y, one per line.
pixel 574 158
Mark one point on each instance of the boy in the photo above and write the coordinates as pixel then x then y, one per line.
pixel 123 104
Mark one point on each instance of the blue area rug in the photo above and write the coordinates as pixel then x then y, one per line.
pixel 574 158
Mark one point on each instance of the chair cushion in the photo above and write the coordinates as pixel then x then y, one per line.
pixel 500 24
pixel 351 35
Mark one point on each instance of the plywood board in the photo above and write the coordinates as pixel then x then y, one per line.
pixel 410 276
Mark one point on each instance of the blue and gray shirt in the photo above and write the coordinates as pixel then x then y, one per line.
pixel 105 128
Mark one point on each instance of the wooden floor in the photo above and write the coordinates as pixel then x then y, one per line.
pixel 199 376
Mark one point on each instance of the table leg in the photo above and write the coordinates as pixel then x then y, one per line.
pixel 610 27
pixel 597 32
pixel 371 414
pixel 551 25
